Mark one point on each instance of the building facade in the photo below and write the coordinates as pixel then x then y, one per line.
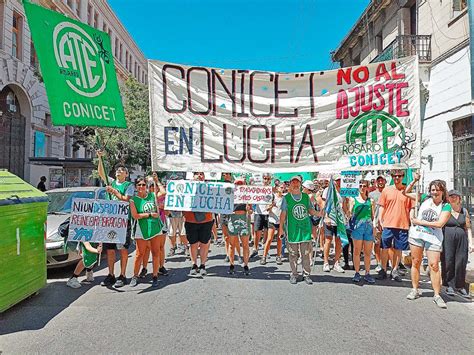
pixel 30 146
pixel 438 32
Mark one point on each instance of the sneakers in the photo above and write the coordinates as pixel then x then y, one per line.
pixel 172 252
pixel 241 261
pixel 143 273
pixel 369 279
pixel 202 270
pixel 246 270
pixel 338 268
pixel 378 268
pixel 396 276
pixel 357 278
pixel 450 291
pixel 194 270
pixel 162 271
pixel 121 281
pixel 348 267
pixel 231 270
pixel 133 281
pixel 226 259
pixel 278 260
pixel 293 279
pixel 90 276
pixel 307 279
pixel 154 283
pixel 108 281
pixel 463 293
pixel 439 302
pixel 382 274
pixel 414 294
pixel 73 282
pixel 263 261
pixel 254 254
pixel 326 268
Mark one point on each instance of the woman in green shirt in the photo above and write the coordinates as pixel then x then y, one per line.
pixel 144 209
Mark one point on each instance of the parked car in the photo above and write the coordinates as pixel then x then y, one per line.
pixel 59 210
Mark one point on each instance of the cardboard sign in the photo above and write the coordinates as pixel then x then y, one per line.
pixel 199 196
pixel 253 195
pixel 98 221
pixel 350 183
pixel 355 118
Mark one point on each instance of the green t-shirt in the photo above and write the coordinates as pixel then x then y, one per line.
pixel 125 188
pixel 362 211
pixel 88 257
pixel 298 223
pixel 150 227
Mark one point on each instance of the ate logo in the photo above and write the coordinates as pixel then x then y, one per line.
pixel 81 60
pixel 300 212
pixel 149 207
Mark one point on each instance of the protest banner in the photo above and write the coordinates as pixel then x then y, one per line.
pixel 199 196
pixel 98 221
pixel 350 183
pixel 355 118
pixel 253 195
pixel 78 70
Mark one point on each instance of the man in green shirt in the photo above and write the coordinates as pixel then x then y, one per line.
pixel 120 190
pixel 295 222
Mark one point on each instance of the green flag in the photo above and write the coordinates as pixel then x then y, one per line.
pixel 78 70
pixel 335 213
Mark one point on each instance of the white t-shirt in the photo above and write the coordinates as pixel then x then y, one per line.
pixel 429 212
pixel 274 213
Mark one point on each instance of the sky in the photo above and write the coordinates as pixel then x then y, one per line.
pixel 273 35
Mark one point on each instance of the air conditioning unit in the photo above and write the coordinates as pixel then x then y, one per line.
pixel 12 108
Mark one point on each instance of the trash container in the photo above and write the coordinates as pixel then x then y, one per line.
pixel 23 211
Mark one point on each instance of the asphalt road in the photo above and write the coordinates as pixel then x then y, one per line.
pixel 220 314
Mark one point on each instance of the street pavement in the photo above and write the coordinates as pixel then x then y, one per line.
pixel 221 314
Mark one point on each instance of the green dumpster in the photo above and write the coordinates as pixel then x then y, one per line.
pixel 23 211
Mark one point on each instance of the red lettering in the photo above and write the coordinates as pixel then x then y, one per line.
pixel 357 74
pixel 342 111
pixel 395 75
pixel 381 72
pixel 401 112
pixel 344 74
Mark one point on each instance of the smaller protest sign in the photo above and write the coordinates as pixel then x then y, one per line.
pixel 98 221
pixel 350 183
pixel 199 196
pixel 254 195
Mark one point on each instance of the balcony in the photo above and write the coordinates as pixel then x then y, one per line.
pixel 405 46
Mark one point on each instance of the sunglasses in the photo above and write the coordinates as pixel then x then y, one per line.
pixel 398 176
pixel 362 185
pixel 141 185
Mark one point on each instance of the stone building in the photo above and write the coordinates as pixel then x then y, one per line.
pixel 30 146
pixel 437 31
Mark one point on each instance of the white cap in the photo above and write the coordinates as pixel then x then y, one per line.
pixel 309 185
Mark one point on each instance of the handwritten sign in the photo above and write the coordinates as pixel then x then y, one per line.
pixel 254 195
pixel 98 221
pixel 199 196
pixel 350 183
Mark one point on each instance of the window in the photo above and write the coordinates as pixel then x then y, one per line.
pixel 126 59
pixel 116 49
pixel 104 27
pixel 89 15
pixel 17 35
pixel 33 56
pixel 459 6
pixel 96 19
pixel 120 53
pixel 379 42
pixel 463 150
pixel 78 8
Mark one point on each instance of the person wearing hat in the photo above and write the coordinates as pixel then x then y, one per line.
pixel 295 222
pixel 330 229
pixel 457 244
pixel 260 218
pixel 380 183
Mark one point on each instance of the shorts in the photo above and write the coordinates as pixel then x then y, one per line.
pixel 239 225
pixel 199 232
pixel 119 246
pixel 315 220
pixel 428 246
pixel 330 231
pixel 363 231
pixel 275 226
pixel 395 238
pixel 260 222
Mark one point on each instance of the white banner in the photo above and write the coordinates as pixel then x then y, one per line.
pixel 350 183
pixel 98 221
pixel 355 118
pixel 198 196
pixel 253 195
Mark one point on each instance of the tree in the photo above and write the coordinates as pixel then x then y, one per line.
pixel 130 146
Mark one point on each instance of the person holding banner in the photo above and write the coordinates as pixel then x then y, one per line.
pixel 149 232
pixel 362 208
pixel 198 227
pixel 426 234
pixel 238 227
pixel 274 225
pixel 394 220
pixel 294 220
pixel 90 254
pixel 122 190
pixel 260 218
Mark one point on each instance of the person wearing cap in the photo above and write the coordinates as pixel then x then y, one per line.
pixel 260 218
pixel 330 229
pixel 294 220
pixel 380 183
pixel 238 227
pixel 457 244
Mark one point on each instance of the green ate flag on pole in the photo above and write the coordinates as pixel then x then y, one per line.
pixel 78 70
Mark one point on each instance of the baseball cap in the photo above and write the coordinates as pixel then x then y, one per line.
pixel 297 177
pixel 309 185
pixel 454 192
pixel 381 176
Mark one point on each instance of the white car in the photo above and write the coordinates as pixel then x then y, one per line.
pixel 59 209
